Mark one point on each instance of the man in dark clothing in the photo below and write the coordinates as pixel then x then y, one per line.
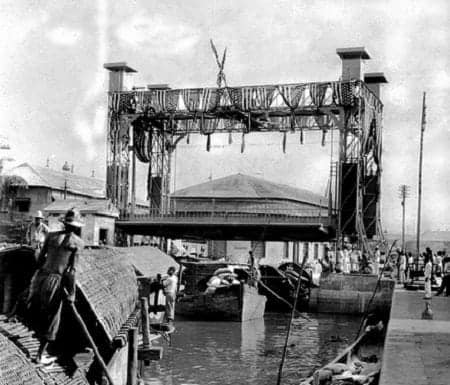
pixel 445 285
pixel 54 280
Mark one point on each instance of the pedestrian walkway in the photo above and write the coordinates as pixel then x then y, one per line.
pixel 417 351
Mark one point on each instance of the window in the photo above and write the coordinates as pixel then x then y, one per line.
pixel 22 204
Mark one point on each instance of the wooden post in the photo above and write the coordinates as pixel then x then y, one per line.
pixel 132 367
pixel 145 323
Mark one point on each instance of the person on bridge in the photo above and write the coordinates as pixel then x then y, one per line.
pixel 170 285
pixel 36 232
pixel 54 281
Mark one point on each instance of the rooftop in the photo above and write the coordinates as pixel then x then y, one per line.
pixel 46 177
pixel 353 53
pixel 108 282
pixel 240 186
pixel 149 261
pixel 98 206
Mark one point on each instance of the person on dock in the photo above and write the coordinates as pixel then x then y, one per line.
pixel 170 285
pixel 36 232
pixel 445 285
pixel 54 281
pixel 402 267
pixel 427 273
pixel 376 261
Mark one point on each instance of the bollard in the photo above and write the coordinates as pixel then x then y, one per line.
pixel 428 312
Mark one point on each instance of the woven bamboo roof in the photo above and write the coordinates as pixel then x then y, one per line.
pixel 149 261
pixel 108 282
pixel 240 186
pixel 15 367
pixel 17 345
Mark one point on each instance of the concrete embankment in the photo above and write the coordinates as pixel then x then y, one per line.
pixel 416 350
pixel 350 294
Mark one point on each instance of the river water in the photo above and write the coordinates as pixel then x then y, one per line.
pixel 230 353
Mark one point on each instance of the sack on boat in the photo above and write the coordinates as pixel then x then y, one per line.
pixel 223 270
pixel 337 368
pixel 359 379
pixel 321 376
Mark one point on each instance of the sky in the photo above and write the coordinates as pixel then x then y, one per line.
pixel 53 85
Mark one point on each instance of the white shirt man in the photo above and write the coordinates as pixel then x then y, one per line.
pixel 170 285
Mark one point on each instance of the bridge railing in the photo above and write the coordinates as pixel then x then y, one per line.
pixel 285 215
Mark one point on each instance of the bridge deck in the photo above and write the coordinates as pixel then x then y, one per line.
pixel 313 227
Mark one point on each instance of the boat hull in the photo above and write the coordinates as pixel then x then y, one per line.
pixel 235 303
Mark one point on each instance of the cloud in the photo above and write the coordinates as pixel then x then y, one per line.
pixel 157 34
pixel 91 128
pixel 64 36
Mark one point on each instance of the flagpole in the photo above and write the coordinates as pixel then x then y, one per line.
pixel 419 201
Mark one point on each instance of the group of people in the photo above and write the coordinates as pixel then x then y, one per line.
pixel 350 259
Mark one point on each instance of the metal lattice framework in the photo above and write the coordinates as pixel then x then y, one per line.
pixel 158 118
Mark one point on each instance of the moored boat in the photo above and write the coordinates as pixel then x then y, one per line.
pixel 279 284
pixel 359 363
pixel 98 337
pixel 219 291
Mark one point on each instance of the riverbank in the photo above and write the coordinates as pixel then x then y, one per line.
pixel 417 350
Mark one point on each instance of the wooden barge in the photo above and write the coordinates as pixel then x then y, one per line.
pixel 234 302
pixel 110 308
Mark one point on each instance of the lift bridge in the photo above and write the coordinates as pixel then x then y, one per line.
pixel 145 125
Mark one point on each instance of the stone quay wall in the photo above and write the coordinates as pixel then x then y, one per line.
pixel 350 294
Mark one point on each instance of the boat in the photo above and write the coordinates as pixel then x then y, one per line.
pixel 99 337
pixel 279 285
pixel 359 363
pixel 207 294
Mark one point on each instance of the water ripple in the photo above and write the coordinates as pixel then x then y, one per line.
pixel 229 353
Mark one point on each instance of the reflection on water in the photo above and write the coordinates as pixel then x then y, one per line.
pixel 229 353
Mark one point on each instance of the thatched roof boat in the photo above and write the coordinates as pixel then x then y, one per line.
pixel 107 301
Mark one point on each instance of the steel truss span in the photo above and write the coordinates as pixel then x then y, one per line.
pixel 157 118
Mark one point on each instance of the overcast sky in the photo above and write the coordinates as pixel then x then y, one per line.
pixel 53 100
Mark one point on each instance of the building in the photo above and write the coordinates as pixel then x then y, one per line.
pixel 28 188
pixel 245 194
pixel 98 215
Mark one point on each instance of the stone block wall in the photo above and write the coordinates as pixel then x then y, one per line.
pixel 350 294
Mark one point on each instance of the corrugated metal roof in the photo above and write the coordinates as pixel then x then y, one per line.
pixel 97 206
pixel 108 282
pixel 149 261
pixel 245 186
pixel 46 177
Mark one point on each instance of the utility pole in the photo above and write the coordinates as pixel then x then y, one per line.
pixel 419 199
pixel 403 193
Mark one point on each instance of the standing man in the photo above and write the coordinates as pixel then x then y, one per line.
pixel 36 232
pixel 170 285
pixel 54 281
pixel 427 273
pixel 376 262
pixel 402 267
pixel 445 285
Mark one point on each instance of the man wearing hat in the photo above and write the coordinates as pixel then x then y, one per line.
pixel 36 232
pixel 54 280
